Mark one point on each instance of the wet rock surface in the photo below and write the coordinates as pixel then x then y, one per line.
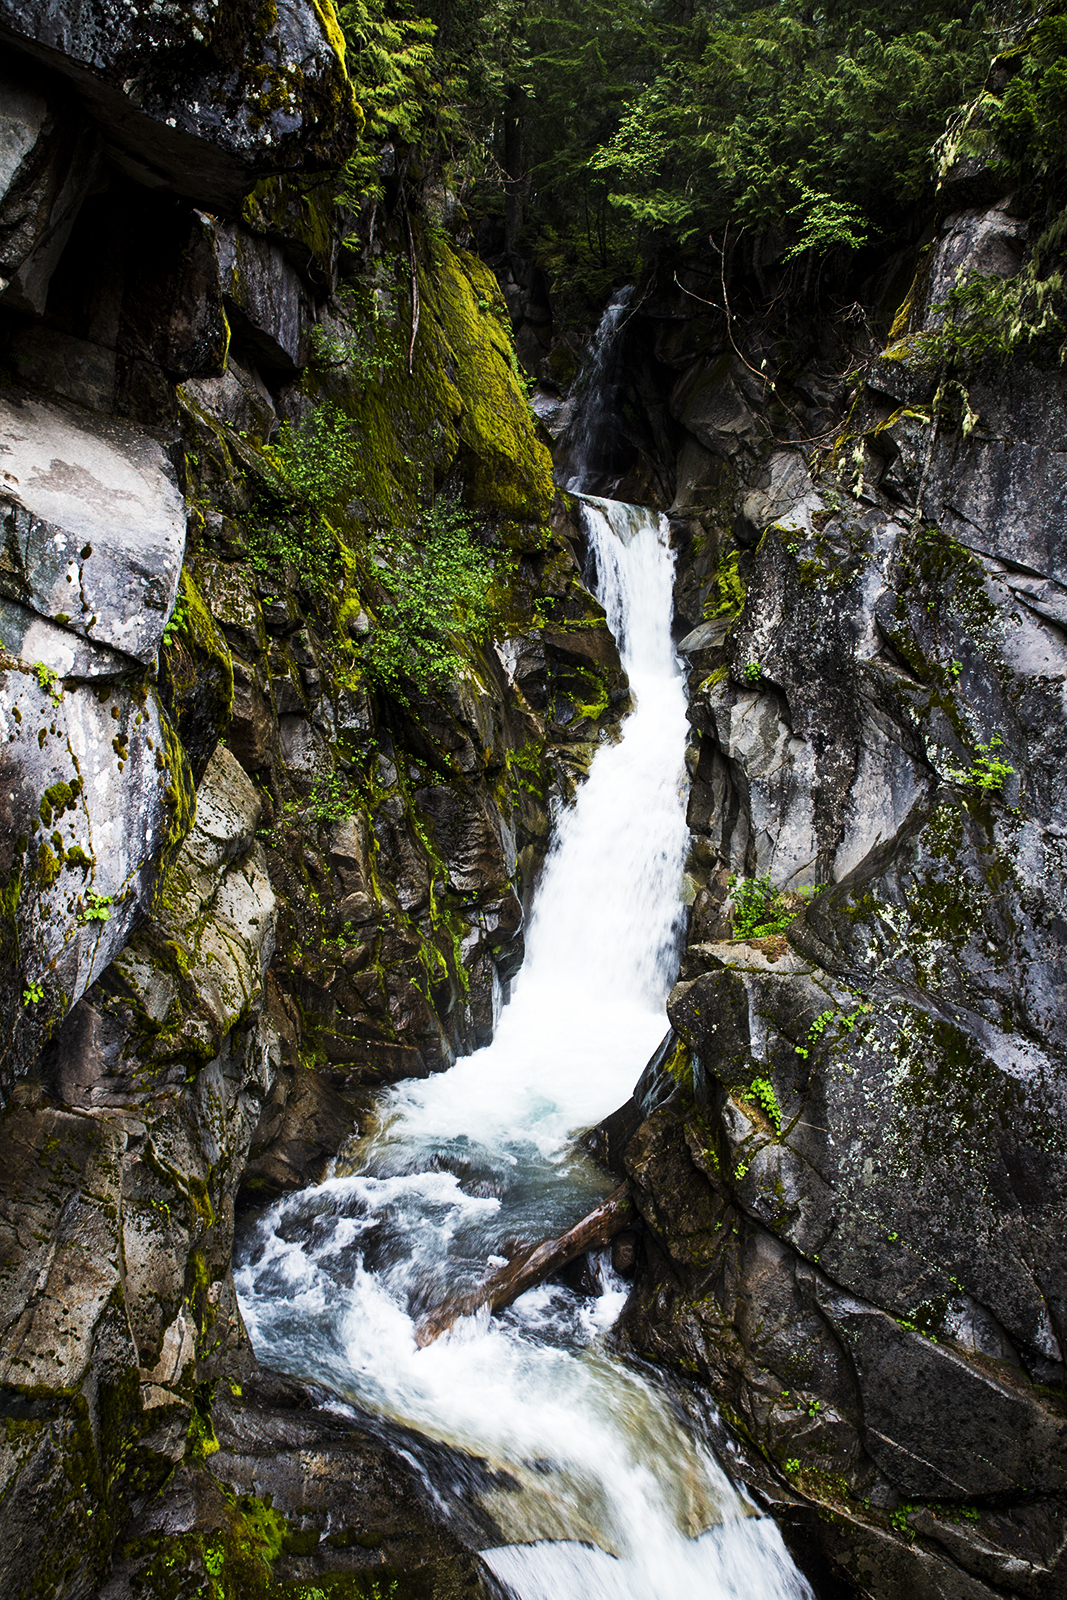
pixel 205 99
pixel 243 876
pixel 246 875
pixel 850 1163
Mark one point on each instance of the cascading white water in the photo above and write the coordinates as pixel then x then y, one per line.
pixel 592 434
pixel 606 1495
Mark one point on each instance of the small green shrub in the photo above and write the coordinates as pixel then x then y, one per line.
pixel 825 222
pixel 278 539
pixel 987 770
pixel 330 799
pixel 97 907
pixel 48 681
pixel 824 1019
pixel 760 909
pixel 753 672
pixel 762 1091
pixel 319 459
pixel 179 617
pixel 32 995
pixel 438 584
pixel 899 1520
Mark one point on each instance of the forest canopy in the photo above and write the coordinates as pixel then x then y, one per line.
pixel 599 133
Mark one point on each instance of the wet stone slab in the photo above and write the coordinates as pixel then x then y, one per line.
pixel 93 531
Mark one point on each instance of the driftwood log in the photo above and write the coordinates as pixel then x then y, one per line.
pixel 533 1266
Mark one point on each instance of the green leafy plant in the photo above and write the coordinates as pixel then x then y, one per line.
pixel 987 770
pixel 97 907
pixel 48 681
pixel 792 1466
pixel 753 672
pixel 330 799
pixel 823 1021
pixel 762 1091
pixel 1030 123
pixel 826 222
pixel 33 994
pixel 760 910
pixel 319 458
pixel 320 472
pixel 390 59
pixel 438 584
pixel 755 104
pixel 179 617
pixel 363 340
pixel 899 1520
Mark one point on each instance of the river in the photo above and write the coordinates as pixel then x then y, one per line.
pixel 593 1487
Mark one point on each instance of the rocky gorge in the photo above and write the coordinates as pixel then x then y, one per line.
pixel 252 871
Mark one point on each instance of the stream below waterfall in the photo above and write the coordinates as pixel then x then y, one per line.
pixel 591 1484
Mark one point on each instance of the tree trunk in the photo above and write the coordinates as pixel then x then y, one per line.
pixel 507 1283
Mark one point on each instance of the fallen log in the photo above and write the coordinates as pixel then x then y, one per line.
pixel 532 1266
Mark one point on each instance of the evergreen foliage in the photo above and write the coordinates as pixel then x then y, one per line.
pixel 760 910
pixel 594 137
pixel 1031 121
pixel 763 113
pixel 390 59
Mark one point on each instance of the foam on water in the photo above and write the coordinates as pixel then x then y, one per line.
pixel 607 1493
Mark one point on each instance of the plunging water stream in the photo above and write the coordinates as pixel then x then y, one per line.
pixel 596 1489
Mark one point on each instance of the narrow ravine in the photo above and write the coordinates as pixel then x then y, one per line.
pixel 598 1489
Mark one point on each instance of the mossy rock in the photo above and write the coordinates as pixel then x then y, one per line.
pixel 460 410
pixel 196 676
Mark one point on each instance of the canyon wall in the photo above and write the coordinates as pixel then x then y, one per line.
pixel 250 869
pixel 849 1156
pixel 254 862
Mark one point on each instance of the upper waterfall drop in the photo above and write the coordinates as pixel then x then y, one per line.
pixel 608 913
pixel 589 449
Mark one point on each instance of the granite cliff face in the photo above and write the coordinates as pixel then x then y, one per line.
pixel 850 1154
pixel 243 876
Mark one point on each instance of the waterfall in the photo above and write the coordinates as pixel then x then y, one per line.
pixel 590 448
pixel 592 1487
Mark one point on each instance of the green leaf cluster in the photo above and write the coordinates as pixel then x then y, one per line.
pixel 390 59
pixel 760 910
pixel 988 771
pixel 437 584
pixel 1030 124
pixel 762 1091
pixel 319 459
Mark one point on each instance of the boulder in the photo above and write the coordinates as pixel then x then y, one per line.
pixel 708 402
pixel 267 302
pixel 94 791
pixel 94 533
pixel 305 1499
pixel 988 242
